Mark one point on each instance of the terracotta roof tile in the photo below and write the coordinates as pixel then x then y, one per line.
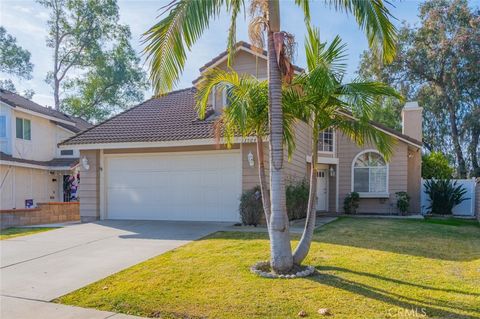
pixel 15 100
pixel 171 117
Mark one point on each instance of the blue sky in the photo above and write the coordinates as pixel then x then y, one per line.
pixel 26 20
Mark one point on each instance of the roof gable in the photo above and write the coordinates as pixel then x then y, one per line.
pixel 239 46
pixel 72 123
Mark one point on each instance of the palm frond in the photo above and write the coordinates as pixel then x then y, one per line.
pixel 319 55
pixel 305 6
pixel 363 132
pixel 258 11
pixel 374 18
pixel 167 41
pixel 234 6
pixel 362 97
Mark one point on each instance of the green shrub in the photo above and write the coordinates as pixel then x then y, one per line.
pixel 403 202
pixel 444 194
pixel 351 203
pixel 297 199
pixel 436 165
pixel 251 206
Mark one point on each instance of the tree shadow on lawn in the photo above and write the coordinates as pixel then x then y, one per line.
pixel 396 281
pixel 408 237
pixel 431 308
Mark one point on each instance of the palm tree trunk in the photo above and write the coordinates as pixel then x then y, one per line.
pixel 263 180
pixel 304 245
pixel 281 258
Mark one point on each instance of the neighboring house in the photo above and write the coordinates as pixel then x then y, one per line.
pixel 158 160
pixel 32 167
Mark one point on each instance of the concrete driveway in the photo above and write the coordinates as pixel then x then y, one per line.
pixel 48 265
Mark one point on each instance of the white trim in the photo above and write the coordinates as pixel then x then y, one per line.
pixel 322 160
pixel 373 195
pixel 56 119
pixel 334 144
pixel 337 186
pixel 367 194
pixel 194 142
pixel 327 178
pixel 102 196
pixel 65 129
pixel 386 132
pixel 28 165
pixel 214 98
pixel 406 109
pixel 327 160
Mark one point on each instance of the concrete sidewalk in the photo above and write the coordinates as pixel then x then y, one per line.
pixel 19 308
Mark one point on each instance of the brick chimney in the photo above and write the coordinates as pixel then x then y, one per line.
pixel 412 120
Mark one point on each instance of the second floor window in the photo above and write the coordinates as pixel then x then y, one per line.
pixel 66 152
pixel 227 96
pixel 3 126
pixel 326 140
pixel 23 129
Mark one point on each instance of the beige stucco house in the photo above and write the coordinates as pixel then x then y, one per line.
pixel 158 160
pixel 32 167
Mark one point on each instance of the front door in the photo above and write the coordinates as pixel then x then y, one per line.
pixel 322 187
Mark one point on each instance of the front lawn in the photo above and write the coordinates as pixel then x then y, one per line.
pixel 367 268
pixel 17 231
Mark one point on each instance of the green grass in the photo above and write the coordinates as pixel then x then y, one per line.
pixel 452 221
pixel 17 231
pixel 367 268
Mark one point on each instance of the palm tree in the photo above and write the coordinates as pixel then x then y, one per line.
pixel 246 114
pixel 185 20
pixel 330 104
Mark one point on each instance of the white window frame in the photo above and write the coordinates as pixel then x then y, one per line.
pixel 334 142
pixel 6 127
pixel 224 96
pixel 23 128
pixel 67 155
pixel 385 194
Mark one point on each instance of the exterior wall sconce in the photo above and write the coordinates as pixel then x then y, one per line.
pixel 250 159
pixel 332 171
pixel 85 163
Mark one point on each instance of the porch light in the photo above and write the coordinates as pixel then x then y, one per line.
pixel 85 164
pixel 250 159
pixel 332 171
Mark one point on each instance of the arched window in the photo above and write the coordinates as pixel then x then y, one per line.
pixel 370 173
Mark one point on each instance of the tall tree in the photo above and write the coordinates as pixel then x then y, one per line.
pixel 437 64
pixel 94 65
pixel 14 61
pixel 328 103
pixel 184 22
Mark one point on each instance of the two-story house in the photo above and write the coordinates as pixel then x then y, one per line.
pixel 158 160
pixel 32 167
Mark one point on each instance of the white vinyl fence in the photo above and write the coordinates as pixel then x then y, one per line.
pixel 467 207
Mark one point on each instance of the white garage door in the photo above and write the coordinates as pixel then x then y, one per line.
pixel 199 186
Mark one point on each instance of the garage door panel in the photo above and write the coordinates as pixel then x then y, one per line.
pixel 174 186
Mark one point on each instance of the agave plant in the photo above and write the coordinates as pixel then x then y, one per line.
pixel 444 195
